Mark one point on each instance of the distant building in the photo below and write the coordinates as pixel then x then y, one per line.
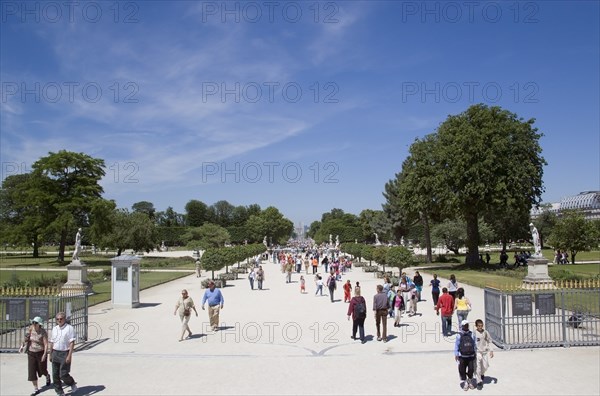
pixel 588 202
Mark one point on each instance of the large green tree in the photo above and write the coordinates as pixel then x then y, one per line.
pixel 486 157
pixel 397 215
pixel 221 213
pixel 278 227
pixel 144 207
pixel 169 218
pixel 69 183
pixel 24 211
pixel 123 230
pixel 196 213
pixel 415 191
pixel 206 236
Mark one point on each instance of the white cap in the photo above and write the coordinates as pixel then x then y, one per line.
pixel 465 322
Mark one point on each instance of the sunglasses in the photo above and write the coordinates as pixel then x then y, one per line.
pixel 60 319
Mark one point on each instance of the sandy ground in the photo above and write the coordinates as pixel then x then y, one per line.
pixel 279 341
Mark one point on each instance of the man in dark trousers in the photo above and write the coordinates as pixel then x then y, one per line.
pixel 465 351
pixel 380 308
pixel 62 342
pixel 446 306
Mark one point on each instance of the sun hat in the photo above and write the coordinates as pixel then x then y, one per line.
pixel 37 319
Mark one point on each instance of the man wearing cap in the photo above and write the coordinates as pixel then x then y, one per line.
pixel 62 342
pixel 465 350
pixel 215 304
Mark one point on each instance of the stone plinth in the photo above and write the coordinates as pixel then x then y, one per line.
pixel 537 274
pixel 77 282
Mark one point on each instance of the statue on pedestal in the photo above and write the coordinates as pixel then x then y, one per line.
pixel 77 249
pixel 337 241
pixel 265 241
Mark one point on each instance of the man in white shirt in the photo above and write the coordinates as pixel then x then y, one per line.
pixel 62 342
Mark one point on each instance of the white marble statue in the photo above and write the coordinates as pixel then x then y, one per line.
pixel 377 242
pixel 535 235
pixel 337 241
pixel 77 249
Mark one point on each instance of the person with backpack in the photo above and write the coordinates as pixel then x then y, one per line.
pixel 331 284
pixel 358 311
pixel 465 352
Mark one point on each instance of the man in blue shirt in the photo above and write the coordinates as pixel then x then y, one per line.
pixel 465 352
pixel 215 304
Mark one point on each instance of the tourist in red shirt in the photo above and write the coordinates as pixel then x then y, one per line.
pixel 446 305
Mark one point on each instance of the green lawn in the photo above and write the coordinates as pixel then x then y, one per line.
pixel 147 280
pixel 100 282
pixel 503 278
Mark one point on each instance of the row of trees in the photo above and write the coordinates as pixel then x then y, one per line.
pixel 395 256
pixel 62 193
pixel 197 213
pixel 349 227
pixel 215 259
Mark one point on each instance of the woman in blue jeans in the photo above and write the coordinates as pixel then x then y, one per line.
pixel 462 305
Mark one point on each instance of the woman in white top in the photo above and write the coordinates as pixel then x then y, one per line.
pixel 452 286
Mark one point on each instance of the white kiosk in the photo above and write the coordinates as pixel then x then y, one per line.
pixel 125 281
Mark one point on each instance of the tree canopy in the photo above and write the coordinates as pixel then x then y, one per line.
pixel 68 183
pixel 485 162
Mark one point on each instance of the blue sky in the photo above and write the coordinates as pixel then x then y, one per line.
pixel 306 106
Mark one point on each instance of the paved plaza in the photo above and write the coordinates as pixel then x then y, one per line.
pixel 278 341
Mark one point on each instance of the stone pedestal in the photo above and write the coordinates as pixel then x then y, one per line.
pixel 537 274
pixel 77 282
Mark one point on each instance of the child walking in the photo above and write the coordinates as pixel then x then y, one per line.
pixel 413 302
pixel 347 290
pixel 302 284
pixel 484 348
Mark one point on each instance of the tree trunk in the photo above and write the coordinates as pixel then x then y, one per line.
pixel 61 247
pixel 472 238
pixel 573 254
pixel 503 245
pixel 119 250
pixel 425 221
